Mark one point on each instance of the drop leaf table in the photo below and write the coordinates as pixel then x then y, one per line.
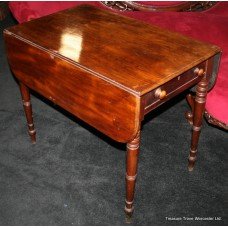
pixel 110 71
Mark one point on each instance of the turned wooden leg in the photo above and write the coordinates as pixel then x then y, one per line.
pixel 131 173
pixel 25 94
pixel 199 108
pixel 189 114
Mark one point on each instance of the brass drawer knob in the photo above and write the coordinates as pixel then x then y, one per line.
pixel 161 94
pixel 199 72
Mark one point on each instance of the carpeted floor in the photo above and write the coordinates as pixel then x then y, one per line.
pixel 74 175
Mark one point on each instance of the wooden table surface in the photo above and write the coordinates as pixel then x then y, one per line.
pixel 128 53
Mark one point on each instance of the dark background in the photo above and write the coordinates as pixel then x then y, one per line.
pixel 74 175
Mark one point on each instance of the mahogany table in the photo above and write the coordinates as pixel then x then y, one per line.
pixel 110 71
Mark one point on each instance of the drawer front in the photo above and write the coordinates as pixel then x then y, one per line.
pixel 163 93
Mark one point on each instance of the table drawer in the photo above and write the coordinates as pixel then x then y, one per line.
pixel 163 93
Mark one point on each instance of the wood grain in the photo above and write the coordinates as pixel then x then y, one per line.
pixel 111 110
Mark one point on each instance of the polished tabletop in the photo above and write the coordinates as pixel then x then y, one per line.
pixel 128 53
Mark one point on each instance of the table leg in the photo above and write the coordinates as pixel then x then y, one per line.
pixel 199 108
pixel 189 114
pixel 131 173
pixel 25 94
